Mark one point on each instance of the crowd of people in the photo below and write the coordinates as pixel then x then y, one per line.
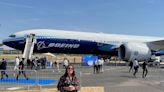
pixel 36 64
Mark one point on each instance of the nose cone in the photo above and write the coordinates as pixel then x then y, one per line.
pixel 17 43
pixel 7 42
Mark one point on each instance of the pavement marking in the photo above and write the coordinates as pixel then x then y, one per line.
pixel 103 70
pixel 87 73
pixel 113 68
pixel 14 88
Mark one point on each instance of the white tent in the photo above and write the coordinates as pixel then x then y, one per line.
pixel 49 54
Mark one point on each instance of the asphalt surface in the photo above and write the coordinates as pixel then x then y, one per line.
pixel 118 79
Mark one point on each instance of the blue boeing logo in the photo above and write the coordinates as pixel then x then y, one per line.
pixel 42 45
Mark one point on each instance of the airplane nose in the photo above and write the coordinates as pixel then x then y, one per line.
pixel 13 42
pixel 4 41
pixel 7 42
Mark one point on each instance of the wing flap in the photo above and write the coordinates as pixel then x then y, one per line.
pixel 159 42
pixel 156 45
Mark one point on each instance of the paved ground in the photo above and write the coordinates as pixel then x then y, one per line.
pixel 114 79
pixel 118 79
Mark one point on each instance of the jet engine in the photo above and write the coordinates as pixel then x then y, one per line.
pixel 131 51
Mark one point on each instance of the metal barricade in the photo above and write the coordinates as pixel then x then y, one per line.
pixel 10 81
pixel 42 78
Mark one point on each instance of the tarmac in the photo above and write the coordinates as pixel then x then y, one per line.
pixel 118 79
pixel 113 79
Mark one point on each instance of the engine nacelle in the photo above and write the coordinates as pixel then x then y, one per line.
pixel 131 51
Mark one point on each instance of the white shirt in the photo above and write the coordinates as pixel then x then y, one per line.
pixel 99 62
pixel 102 62
pixel 66 62
pixel 135 63
pixel 17 61
pixel 96 62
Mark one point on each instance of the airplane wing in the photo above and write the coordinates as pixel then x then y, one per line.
pixel 156 45
pixel 108 47
pixel 1 44
pixel 159 42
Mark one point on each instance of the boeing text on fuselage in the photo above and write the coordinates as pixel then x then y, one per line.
pixel 41 45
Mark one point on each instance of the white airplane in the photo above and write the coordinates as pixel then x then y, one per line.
pixel 127 47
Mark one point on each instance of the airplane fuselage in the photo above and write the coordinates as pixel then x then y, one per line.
pixel 55 45
pixel 59 41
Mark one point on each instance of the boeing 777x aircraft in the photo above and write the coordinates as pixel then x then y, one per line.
pixel 127 47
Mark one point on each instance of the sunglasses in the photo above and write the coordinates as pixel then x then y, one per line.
pixel 70 68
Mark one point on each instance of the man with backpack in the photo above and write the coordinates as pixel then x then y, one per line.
pixel 3 68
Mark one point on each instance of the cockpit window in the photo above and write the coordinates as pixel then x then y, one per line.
pixel 12 35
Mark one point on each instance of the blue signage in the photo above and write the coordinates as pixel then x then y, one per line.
pixel 88 60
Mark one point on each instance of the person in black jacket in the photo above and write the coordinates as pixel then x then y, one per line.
pixel 3 68
pixel 145 70
pixel 21 69
pixel 131 66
